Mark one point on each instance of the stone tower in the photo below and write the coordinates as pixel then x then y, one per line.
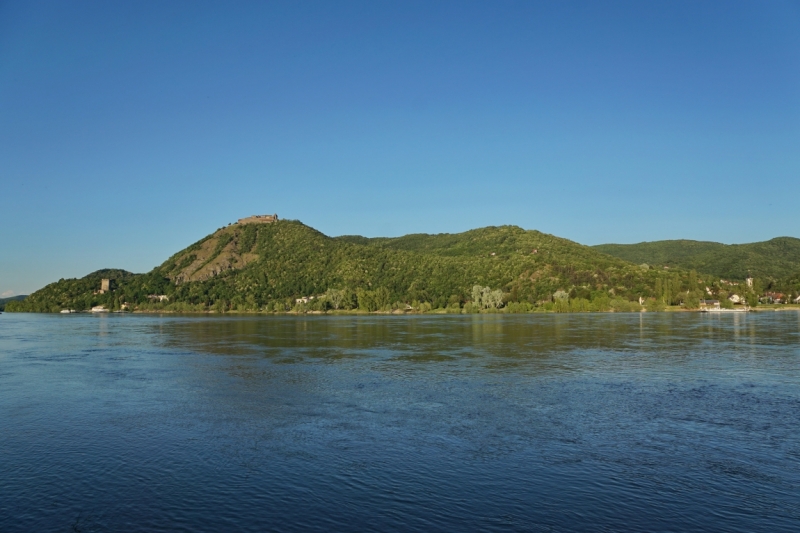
pixel 105 286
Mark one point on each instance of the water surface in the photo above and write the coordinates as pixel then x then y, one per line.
pixel 602 422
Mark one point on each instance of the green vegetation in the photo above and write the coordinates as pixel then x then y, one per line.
pixel 439 271
pixel 775 259
pixel 82 294
pixel 789 286
pixel 288 266
pixel 4 301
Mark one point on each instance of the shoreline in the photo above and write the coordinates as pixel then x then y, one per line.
pixel 397 312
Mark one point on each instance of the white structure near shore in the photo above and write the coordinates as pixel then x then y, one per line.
pixel 723 310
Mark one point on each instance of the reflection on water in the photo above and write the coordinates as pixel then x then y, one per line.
pixel 672 422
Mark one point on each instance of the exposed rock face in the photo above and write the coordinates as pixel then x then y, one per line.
pixel 211 257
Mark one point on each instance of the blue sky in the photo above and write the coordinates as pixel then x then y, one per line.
pixel 130 130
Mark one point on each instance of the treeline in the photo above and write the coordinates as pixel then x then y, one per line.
pixel 369 301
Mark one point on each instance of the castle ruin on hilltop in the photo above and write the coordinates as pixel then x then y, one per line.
pixel 259 219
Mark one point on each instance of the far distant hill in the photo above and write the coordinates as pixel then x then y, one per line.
pixel 776 258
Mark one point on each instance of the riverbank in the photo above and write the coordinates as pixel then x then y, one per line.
pixel 502 311
pixel 445 311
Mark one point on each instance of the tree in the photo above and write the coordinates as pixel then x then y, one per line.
pixel 486 298
pixel 336 297
pixel 382 298
pixel 692 300
pixel 751 298
pixel 495 299
pixel 477 295
pixel 692 280
pixel 655 305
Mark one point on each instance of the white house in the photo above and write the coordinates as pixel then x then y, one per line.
pixel 735 298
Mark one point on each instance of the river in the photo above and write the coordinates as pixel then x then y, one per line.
pixel 582 422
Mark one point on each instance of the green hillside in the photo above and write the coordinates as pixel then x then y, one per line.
pixel 776 258
pixel 73 293
pixel 4 301
pixel 258 267
pixel 256 264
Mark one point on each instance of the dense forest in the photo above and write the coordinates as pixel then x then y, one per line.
pixel 4 301
pixel 288 266
pixel 775 259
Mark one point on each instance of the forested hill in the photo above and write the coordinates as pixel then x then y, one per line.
pixel 264 263
pixel 257 267
pixel 4 301
pixel 776 258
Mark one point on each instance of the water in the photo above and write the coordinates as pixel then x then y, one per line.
pixel 612 422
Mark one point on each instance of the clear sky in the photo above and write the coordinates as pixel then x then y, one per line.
pixel 130 130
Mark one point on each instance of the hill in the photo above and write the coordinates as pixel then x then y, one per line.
pixel 776 258
pixel 286 260
pixel 256 267
pixel 72 293
pixel 4 301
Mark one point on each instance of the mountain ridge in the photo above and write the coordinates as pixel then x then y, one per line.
pixel 285 265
